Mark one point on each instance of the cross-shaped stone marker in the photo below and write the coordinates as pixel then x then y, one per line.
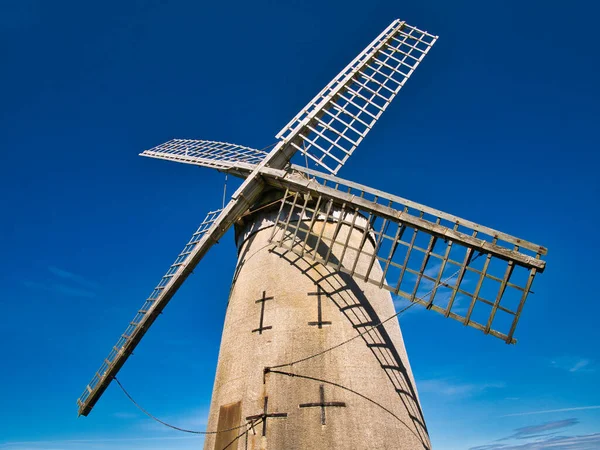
pixel 265 415
pixel 262 301
pixel 322 404
pixel 319 321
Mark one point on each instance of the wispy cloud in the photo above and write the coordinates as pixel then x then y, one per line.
pixel 154 436
pixel 579 365
pixel 63 282
pixel 532 431
pixel 573 364
pixel 73 277
pixel 442 298
pixel 548 411
pixel 489 447
pixel 580 442
pixel 195 420
pixel 58 288
pixel 433 270
pixel 450 388
pixel 146 442
pixel 126 415
pixel 401 303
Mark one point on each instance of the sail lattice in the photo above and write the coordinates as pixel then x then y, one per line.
pixel 332 125
pixel 212 154
pixel 142 320
pixel 462 270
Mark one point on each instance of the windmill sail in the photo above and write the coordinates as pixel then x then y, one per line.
pixel 465 271
pixel 215 155
pixel 152 307
pixel 330 127
pixel 335 122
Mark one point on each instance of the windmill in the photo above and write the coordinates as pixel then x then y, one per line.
pixel 310 357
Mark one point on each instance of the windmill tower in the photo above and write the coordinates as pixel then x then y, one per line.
pixel 311 354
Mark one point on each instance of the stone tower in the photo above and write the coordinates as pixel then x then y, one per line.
pixel 283 308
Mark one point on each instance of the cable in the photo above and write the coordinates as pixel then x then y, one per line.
pixel 342 343
pixel 269 146
pixel 224 192
pixel 305 154
pixel 282 199
pixel 173 426
pixel 367 329
pixel 289 374
pixel 250 427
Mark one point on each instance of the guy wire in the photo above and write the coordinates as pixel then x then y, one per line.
pixel 173 426
pixel 267 369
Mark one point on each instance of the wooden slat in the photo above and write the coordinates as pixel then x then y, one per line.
pixel 428 210
pixel 284 180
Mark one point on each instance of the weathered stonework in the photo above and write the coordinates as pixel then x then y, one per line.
pixel 275 294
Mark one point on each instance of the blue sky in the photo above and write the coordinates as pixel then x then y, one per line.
pixel 498 125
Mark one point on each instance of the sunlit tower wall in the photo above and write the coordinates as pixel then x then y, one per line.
pixel 284 307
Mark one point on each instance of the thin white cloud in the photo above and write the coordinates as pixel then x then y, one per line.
pixel 581 442
pixel 125 415
pixel 580 365
pixel 59 288
pixel 195 420
pixel 63 282
pixel 548 411
pixel 573 364
pixel 401 303
pixel 433 270
pixel 155 436
pixel 111 443
pixel 546 428
pixel 73 277
pixel 451 389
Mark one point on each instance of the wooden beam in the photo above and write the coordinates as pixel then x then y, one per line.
pixel 283 180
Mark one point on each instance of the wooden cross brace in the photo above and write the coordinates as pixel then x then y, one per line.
pixel 322 404
pixel 262 302
pixel 266 415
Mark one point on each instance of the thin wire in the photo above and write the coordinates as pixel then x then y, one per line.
pixel 224 191
pixel 169 425
pixel 269 146
pixel 305 154
pixel 282 199
pixel 367 329
pixel 250 427
pixel 289 374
